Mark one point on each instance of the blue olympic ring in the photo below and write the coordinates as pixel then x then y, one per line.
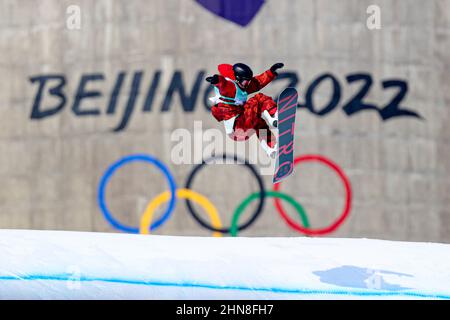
pixel 107 176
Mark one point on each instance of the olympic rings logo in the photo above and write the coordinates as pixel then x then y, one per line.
pixel 215 225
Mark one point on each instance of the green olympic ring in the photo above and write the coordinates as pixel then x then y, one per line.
pixel 271 194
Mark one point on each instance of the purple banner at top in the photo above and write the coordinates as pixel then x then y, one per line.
pixel 241 12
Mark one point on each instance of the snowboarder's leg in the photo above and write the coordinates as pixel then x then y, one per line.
pixel 252 120
pixel 229 125
pixel 267 141
pixel 240 132
pixel 271 152
pixel 272 122
pixel 267 109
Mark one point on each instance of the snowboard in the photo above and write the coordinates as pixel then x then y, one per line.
pixel 287 107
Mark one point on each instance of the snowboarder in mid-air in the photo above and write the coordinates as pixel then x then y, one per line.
pixel 241 116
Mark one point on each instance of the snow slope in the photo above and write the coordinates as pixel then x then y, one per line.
pixel 82 265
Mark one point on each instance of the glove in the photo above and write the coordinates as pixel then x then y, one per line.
pixel 213 80
pixel 276 66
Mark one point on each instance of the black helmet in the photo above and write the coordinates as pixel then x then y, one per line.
pixel 242 72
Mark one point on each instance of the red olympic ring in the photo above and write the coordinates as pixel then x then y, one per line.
pixel 348 198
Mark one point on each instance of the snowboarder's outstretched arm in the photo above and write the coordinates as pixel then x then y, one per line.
pixel 262 80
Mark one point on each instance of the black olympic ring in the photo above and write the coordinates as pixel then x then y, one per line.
pixel 255 214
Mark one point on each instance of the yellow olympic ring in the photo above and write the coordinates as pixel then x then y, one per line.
pixel 210 209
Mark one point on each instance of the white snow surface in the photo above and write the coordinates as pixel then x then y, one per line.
pixel 88 265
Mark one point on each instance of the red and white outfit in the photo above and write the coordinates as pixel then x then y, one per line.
pixel 243 117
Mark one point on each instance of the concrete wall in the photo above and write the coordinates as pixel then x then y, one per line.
pixel 399 168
